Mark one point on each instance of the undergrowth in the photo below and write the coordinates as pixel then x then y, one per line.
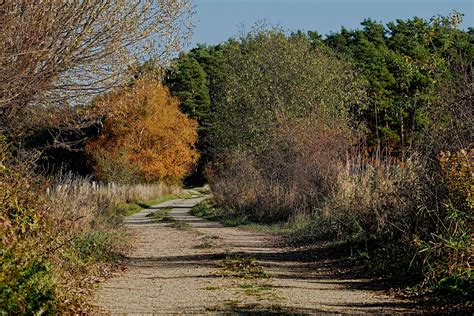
pixel 207 210
pixel 409 222
pixel 59 236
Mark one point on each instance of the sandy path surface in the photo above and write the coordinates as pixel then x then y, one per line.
pixel 201 267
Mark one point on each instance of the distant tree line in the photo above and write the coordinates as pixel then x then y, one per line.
pixel 402 64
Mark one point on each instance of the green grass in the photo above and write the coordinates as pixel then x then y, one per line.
pixel 126 209
pixel 241 267
pixel 259 291
pixel 161 215
pixel 180 225
pixel 162 199
pixel 274 229
pixel 211 213
pixel 204 245
pixel 100 246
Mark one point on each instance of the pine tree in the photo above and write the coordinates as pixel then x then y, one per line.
pixel 188 82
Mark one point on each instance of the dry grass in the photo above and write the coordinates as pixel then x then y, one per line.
pixel 374 199
pixel 59 237
pixel 84 222
pixel 402 219
pixel 67 186
pixel 294 173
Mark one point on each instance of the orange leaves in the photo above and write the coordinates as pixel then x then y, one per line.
pixel 458 171
pixel 144 133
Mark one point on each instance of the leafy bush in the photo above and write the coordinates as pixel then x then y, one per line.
pixel 27 286
pixel 25 277
pixel 281 130
pixel 269 80
pixel 57 234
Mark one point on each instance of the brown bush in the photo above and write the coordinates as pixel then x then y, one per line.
pixel 402 216
pixel 295 172
pixel 458 173
pixel 375 199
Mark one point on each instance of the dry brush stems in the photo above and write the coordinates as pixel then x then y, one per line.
pixel 59 52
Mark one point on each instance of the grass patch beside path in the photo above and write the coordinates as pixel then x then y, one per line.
pixel 129 208
pixel 207 211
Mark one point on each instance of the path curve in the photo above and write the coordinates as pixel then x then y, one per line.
pixel 198 270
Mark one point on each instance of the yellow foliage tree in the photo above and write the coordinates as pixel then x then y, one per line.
pixel 145 137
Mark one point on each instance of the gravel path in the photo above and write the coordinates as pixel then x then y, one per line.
pixel 196 266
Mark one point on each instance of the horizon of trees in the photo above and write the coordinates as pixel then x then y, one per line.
pixel 401 62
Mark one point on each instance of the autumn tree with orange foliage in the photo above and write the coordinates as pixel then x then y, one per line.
pixel 145 137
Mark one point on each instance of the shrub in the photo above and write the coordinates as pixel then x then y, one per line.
pixel 401 216
pixel 145 137
pixel 295 173
pixel 269 80
pixel 57 234
pixel 26 280
pixel 280 131
pixel 27 285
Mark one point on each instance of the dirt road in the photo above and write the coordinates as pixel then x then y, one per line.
pixel 191 265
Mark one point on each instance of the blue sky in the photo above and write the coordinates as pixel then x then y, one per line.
pixel 217 20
